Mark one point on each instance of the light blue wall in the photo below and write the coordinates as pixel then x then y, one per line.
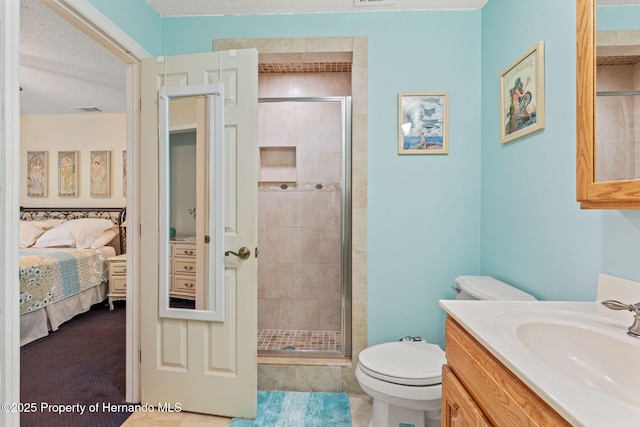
pixel 424 211
pixel 534 234
pixel 485 208
pixel 137 18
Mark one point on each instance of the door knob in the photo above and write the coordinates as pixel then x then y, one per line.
pixel 243 253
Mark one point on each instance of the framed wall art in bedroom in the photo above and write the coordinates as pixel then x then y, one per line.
pixel 37 173
pixel 68 174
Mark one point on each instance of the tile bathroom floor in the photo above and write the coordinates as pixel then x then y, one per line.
pixel 360 416
pixel 279 339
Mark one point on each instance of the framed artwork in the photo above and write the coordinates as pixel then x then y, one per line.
pixel 37 173
pixel 100 174
pixel 522 95
pixel 423 123
pixel 67 174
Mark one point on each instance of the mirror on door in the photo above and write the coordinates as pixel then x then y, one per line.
pixel 191 138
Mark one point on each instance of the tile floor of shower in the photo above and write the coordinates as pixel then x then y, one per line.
pixel 299 340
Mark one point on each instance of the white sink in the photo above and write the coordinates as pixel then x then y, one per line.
pixel 576 356
pixel 591 350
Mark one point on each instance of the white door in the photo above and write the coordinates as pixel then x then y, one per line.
pixel 205 367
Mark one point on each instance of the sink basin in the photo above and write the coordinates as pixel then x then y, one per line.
pixel 588 349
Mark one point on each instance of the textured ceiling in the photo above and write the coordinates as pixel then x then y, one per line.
pixel 62 68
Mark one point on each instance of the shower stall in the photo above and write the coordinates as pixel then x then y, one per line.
pixel 304 226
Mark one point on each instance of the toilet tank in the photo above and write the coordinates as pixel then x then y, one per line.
pixel 488 288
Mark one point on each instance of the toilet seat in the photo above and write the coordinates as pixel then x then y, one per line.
pixel 404 362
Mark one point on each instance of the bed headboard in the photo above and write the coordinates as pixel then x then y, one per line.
pixel 117 215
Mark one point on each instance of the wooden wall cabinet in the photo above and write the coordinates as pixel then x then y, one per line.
pixel 621 194
pixel 478 390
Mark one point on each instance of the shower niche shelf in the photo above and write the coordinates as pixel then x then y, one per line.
pixel 278 164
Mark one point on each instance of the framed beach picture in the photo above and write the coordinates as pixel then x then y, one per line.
pixel 522 95
pixel 423 123
pixel 37 173
pixel 100 174
pixel 68 174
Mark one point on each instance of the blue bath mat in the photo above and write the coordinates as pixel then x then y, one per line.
pixel 299 409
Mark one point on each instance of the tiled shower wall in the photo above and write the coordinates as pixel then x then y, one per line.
pixel 299 268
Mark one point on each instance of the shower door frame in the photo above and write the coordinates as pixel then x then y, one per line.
pixel 345 231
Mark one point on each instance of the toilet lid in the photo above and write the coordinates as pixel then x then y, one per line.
pixel 404 362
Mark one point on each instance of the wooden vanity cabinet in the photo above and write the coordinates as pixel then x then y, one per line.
pixel 478 390
pixel 458 407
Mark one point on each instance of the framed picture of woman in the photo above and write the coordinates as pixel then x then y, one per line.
pixel 100 174
pixel 68 174
pixel 522 95
pixel 37 173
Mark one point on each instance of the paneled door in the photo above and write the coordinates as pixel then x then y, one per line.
pixel 193 365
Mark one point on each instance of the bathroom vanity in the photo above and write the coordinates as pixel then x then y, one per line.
pixel 479 390
pixel 540 363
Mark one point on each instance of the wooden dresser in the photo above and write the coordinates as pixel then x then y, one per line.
pixel 183 270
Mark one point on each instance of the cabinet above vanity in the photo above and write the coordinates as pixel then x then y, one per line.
pixel 608 111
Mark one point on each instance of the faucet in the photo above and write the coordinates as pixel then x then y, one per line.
pixel 634 329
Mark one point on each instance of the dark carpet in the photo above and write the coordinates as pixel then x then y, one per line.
pixel 79 367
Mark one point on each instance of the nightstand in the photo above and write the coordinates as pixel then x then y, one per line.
pixel 117 279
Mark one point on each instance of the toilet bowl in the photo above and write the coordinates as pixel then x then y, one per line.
pixel 404 377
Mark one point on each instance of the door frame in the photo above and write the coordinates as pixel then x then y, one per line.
pixel 84 16
pixel 10 202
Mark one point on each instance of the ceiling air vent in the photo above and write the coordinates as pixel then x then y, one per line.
pixel 88 109
pixel 371 2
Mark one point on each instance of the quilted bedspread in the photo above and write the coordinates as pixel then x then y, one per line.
pixel 50 275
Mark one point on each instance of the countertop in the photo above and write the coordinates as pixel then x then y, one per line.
pixel 578 403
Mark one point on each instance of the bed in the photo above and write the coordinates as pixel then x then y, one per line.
pixel 63 263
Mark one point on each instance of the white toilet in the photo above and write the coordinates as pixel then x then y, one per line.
pixel 405 377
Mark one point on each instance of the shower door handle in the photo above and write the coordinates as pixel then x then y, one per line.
pixel 243 253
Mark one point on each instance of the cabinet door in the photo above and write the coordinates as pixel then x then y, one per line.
pixel 458 407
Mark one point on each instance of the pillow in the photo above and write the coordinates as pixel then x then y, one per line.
pixel 79 233
pixel 105 237
pixel 31 230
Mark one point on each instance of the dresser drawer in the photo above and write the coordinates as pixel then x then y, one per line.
pixel 118 284
pixel 184 266
pixel 184 250
pixel 183 284
pixel 118 268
